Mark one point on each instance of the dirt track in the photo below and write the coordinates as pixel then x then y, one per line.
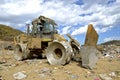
pixel 40 69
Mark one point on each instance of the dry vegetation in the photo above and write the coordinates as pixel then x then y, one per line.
pixel 116 42
pixel 7 33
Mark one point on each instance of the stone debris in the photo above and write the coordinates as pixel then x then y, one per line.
pixel 111 52
pixel 6 45
pixel 105 77
pixel 68 72
pixel 1 78
pixel 3 61
pixel 8 65
pixel 56 68
pixel 34 61
pixel 74 76
pixel 45 72
pixel 3 68
pixel 112 74
pixel 111 49
pixel 117 73
pixel 20 75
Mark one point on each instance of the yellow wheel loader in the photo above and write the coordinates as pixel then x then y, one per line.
pixel 42 39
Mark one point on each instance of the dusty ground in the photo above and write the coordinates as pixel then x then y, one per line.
pixel 40 69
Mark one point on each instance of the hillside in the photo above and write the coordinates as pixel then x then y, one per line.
pixel 7 33
pixel 115 42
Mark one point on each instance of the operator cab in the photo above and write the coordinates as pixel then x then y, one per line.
pixel 43 27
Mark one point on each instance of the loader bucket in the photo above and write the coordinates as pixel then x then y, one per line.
pixel 59 53
pixel 89 51
pixel 91 36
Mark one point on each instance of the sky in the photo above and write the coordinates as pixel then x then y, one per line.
pixel 72 16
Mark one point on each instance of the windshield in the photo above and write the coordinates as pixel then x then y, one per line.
pixel 48 27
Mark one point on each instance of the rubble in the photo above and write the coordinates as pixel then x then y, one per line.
pixel 109 51
pixel 112 74
pixel 3 61
pixel 105 77
pixel 33 61
pixel 44 72
pixel 20 75
pixel 74 76
pixel 6 45
pixel 68 72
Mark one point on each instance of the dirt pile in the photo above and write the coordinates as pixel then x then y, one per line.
pixel 109 50
pixel 6 45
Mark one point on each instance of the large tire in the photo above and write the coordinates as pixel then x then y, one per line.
pixel 76 50
pixel 59 53
pixel 21 52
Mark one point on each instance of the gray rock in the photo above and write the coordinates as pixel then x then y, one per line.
pixel 19 75
pixel 3 61
pixel 118 50
pixel 105 77
pixel 74 76
pixel 68 72
pixel 45 72
pixel 42 75
pixel 112 74
pixel 89 56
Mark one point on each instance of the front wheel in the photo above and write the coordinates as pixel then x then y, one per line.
pixel 59 53
pixel 21 52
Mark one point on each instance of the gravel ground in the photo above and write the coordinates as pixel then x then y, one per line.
pixel 107 68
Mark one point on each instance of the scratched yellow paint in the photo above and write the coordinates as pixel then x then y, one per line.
pixel 91 36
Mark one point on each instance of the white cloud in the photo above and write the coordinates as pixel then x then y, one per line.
pixel 64 12
pixel 21 7
pixel 103 29
pixel 66 30
pixel 112 38
pixel 80 30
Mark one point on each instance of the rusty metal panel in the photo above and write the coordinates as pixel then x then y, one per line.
pixel 91 36
pixel 34 43
pixel 59 37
